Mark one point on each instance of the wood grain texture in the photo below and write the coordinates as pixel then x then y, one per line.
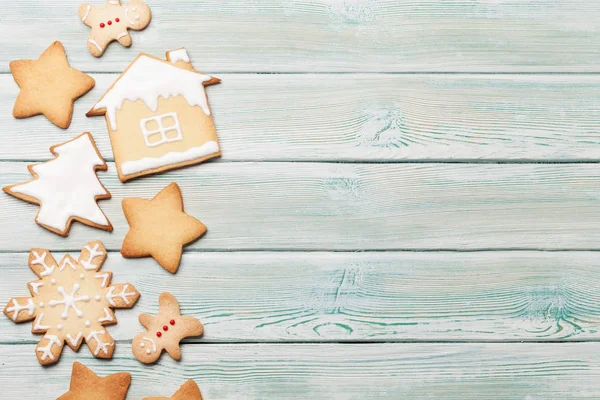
pixel 332 35
pixel 355 297
pixel 463 371
pixel 328 206
pixel 365 117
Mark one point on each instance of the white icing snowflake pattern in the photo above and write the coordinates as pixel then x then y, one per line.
pixel 71 302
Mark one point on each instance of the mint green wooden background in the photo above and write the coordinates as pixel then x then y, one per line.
pixel 407 207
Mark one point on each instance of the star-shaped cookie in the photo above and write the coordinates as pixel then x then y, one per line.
pixel 165 331
pixel 159 228
pixel 85 384
pixel 49 86
pixel 188 391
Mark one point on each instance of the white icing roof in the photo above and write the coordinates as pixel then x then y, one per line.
pixel 148 78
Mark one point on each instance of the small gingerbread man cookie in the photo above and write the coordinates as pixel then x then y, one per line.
pixel 165 331
pixel 111 22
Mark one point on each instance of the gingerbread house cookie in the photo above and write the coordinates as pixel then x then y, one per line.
pixel 158 116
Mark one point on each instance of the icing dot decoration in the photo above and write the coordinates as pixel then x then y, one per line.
pixel 158 334
pixel 172 322
pixel 102 25
pixel 109 22
pixel 165 328
pixel 88 323
pixel 117 20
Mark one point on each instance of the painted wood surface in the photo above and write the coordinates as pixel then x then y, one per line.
pixel 332 115
pixel 365 117
pixel 330 206
pixel 455 371
pixel 355 297
pixel 332 35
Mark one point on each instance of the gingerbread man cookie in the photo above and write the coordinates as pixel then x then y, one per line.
pixel 111 22
pixel 165 331
pixel 187 391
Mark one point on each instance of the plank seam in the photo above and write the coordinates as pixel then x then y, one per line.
pixel 410 73
pixel 349 342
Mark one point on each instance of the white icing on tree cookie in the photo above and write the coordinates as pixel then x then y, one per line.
pixel 75 307
pixel 67 187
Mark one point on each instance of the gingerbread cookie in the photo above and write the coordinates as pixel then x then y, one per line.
pixel 188 391
pixel 67 188
pixel 85 384
pixel 158 116
pixel 111 22
pixel 49 86
pixel 165 331
pixel 71 302
pixel 160 228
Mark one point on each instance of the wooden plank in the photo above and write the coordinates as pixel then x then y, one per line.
pixel 329 206
pixel 332 35
pixel 366 117
pixel 356 297
pixel 463 371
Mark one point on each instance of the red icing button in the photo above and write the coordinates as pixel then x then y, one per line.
pixel 165 328
pixel 102 25
pixel 110 22
pixel 159 334
pixel 172 322
pixel 117 20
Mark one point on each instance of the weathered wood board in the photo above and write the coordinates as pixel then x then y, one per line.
pixel 332 35
pixel 366 117
pixel 331 206
pixel 356 297
pixel 455 371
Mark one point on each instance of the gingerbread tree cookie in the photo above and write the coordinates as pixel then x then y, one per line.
pixel 188 391
pixel 85 384
pixel 165 331
pixel 67 188
pixel 71 302
pixel 49 86
pixel 111 22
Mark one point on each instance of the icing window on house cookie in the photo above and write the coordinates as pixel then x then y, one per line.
pixel 161 129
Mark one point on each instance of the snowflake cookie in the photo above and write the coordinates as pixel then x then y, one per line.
pixel 71 302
